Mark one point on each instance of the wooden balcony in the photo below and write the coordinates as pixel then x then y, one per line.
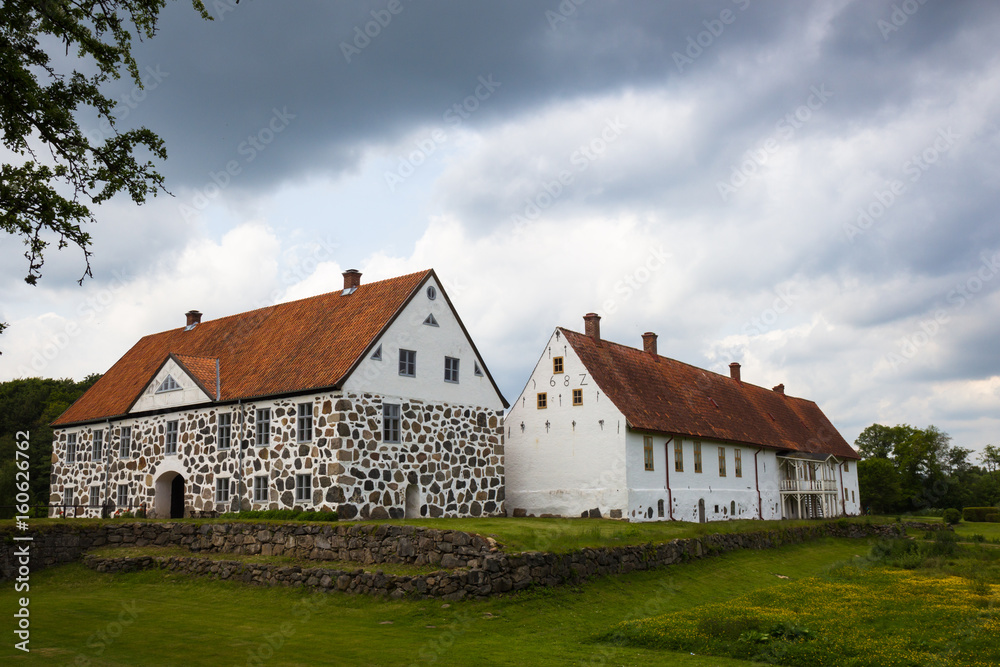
pixel 808 486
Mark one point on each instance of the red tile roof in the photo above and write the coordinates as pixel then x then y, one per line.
pixel 662 395
pixel 312 343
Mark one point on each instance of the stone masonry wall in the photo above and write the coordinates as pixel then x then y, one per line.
pixel 449 459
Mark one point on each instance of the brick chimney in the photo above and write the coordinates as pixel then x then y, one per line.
pixel 352 279
pixel 780 388
pixel 649 342
pixel 592 326
pixel 193 317
pixel 734 371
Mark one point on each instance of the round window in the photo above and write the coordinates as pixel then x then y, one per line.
pixel 431 293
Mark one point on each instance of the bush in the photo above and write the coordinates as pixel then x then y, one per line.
pixel 945 543
pixel 993 518
pixel 978 513
pixel 952 517
pixel 281 515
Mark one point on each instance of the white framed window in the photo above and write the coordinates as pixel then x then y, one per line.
pixel 225 430
pixel 95 496
pixel 69 496
pixel 304 422
pixel 98 445
pixel 678 455
pixel 377 354
pixel 263 427
pixel 739 463
pixel 476 370
pixel 122 496
pixel 171 444
pixel 125 443
pixel 260 489
pixel 71 448
pixel 408 363
pixel 222 489
pixel 450 369
pixel 390 422
pixel 431 321
pixel 303 488
pixel 722 461
pixel 647 452
pixel 168 384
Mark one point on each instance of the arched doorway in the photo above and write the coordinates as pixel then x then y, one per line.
pixel 169 499
pixel 412 502
pixel 701 510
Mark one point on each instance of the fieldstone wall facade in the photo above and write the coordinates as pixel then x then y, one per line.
pixel 449 460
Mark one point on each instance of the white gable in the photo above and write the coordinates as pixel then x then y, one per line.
pixel 157 394
pixel 430 328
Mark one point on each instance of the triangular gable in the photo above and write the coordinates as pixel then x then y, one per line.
pixel 171 385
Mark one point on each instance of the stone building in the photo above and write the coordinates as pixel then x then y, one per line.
pixel 632 434
pixel 372 401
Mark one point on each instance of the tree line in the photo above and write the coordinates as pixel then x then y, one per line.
pixel 31 405
pixel 907 469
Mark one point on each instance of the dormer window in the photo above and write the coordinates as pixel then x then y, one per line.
pixel 168 384
pixel 431 321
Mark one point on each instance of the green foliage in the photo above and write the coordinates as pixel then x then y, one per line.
pixel 30 405
pixel 976 514
pixel 281 515
pixel 952 517
pixel 48 193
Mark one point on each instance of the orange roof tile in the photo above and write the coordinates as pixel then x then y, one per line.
pixel 204 370
pixel 666 396
pixel 308 344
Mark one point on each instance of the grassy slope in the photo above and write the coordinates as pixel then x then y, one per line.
pixel 195 621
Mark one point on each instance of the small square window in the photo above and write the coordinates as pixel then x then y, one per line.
pixel 408 363
pixel 557 364
pixel 303 488
pixel 263 427
pixel 125 443
pixel 390 422
pixel 543 400
pixel 647 452
pixel 222 489
pixel 578 397
pixel 171 444
pixel 450 369
pixel 304 422
pixel 260 489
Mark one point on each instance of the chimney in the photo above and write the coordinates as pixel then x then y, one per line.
pixel 780 388
pixel 352 279
pixel 193 317
pixel 734 371
pixel 592 326
pixel 649 342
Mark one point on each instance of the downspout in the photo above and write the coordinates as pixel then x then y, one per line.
pixel 666 458
pixel 756 474
pixel 841 492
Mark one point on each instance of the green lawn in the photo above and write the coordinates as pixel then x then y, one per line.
pixel 156 618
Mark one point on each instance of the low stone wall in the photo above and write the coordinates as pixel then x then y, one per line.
pixel 366 544
pixel 496 572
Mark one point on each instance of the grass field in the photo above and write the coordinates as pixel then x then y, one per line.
pixel 155 618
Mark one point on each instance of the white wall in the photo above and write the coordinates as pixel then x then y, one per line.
pixel 576 463
pixel 188 394
pixel 849 487
pixel 432 344
pixel 725 498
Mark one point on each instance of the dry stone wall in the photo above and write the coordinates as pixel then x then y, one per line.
pixel 449 461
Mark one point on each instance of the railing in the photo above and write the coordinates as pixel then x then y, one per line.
pixel 808 485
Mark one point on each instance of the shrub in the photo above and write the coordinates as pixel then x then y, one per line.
pixel 978 538
pixel 993 518
pixel 952 517
pixel 978 513
pixel 281 515
pixel 944 544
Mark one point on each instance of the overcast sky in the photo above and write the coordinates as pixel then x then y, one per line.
pixel 807 188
